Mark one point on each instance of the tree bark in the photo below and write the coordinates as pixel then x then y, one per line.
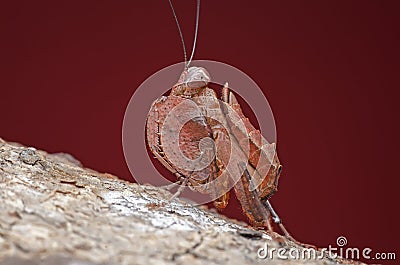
pixel 54 211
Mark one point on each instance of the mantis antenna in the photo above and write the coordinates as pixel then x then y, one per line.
pixel 187 63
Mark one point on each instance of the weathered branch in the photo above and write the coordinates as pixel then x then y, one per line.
pixel 54 211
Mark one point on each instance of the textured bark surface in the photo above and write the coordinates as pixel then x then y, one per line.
pixel 54 211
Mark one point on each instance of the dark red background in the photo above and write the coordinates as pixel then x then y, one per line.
pixel 329 69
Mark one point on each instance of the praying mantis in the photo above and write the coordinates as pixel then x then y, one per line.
pixel 210 145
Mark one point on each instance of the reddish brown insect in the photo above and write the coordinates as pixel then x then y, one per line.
pixel 177 126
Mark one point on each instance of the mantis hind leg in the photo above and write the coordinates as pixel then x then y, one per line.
pixel 267 212
pixel 252 206
pixel 277 220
